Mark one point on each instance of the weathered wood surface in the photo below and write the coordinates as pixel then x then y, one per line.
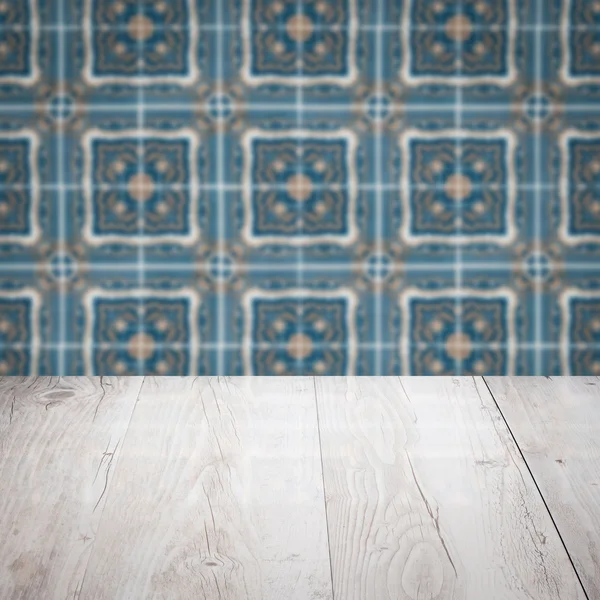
pixel 428 497
pixel 345 488
pixel 218 495
pixel 60 439
pixel 556 422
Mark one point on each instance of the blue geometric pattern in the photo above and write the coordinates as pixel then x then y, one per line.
pixel 300 186
pixel 141 186
pixel 17 196
pixel 583 39
pixel 152 334
pixel 18 334
pixel 584 335
pixel 583 181
pixel 315 44
pixel 449 39
pixel 18 37
pixel 435 347
pixel 142 40
pixel 299 334
pixel 462 183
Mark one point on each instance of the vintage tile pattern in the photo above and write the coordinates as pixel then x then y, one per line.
pixel 144 186
pixel 459 178
pixel 141 332
pixel 469 41
pixel 148 41
pixel 433 346
pixel 300 187
pixel 315 45
pixel 290 333
pixel 20 186
pixel 287 187
pixel 19 332
pixel 18 42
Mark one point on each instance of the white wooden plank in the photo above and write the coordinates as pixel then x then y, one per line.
pixel 218 495
pixel 556 422
pixel 427 496
pixel 59 441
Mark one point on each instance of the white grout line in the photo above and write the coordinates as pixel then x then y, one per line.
pixel 458 212
pixel 262 267
pixel 386 27
pixel 415 105
pixel 215 346
pixel 62 217
pixel 363 187
pixel 538 327
pixel 299 251
pixel 141 213
pixel 221 195
pixel 379 246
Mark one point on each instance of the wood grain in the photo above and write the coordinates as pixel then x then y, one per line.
pixel 556 422
pixel 428 497
pixel 59 441
pixel 218 495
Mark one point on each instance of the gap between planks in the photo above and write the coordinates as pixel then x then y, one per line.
pixel 556 425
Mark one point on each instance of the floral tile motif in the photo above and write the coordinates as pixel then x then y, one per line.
pixel 468 333
pixel 580 187
pixel 458 182
pixel 581 41
pixel 144 42
pixel 300 186
pixel 141 186
pixel 19 187
pixel 581 333
pixel 316 44
pixel 19 332
pixel 18 42
pixel 289 333
pixel 467 41
pixel 135 332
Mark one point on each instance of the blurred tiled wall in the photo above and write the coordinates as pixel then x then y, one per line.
pixel 300 186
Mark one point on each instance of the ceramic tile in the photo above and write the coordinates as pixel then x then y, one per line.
pixel 314 186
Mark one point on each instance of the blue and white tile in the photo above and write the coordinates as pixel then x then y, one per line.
pixel 19 332
pixel 299 331
pixel 308 321
pixel 170 162
pixel 151 42
pixel 152 177
pixel 580 331
pixel 481 322
pixel 433 342
pixel 283 45
pixel 469 42
pixel 580 187
pixel 580 42
pixel 28 329
pixel 300 187
pixel 476 50
pixel 28 52
pixel 118 51
pixel 143 331
pixel 19 187
pixel 475 200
